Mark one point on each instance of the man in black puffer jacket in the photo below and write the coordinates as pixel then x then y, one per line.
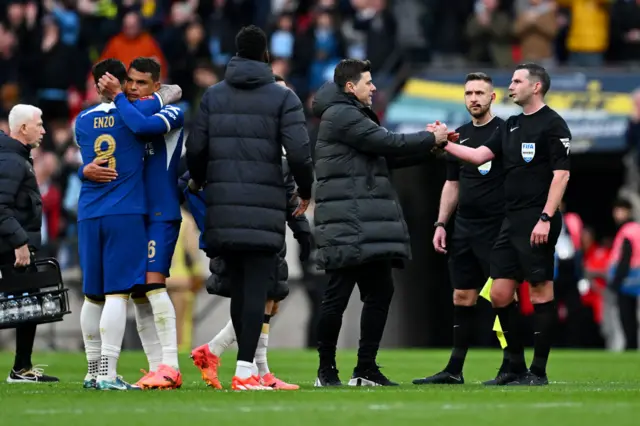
pixel 234 151
pixel 21 221
pixel 359 230
pixel 207 356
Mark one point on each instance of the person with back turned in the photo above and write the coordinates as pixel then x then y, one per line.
pixel 21 221
pixel 360 230
pixel 234 151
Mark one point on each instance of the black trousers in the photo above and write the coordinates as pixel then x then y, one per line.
pixel 26 334
pixel 375 283
pixel 252 274
pixel 628 308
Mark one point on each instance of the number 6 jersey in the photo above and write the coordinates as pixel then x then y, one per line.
pixel 102 133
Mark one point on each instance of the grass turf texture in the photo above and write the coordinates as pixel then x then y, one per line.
pixel 588 388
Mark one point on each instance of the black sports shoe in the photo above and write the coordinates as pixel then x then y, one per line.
pixel 503 377
pixel 371 376
pixel 34 374
pixel 529 379
pixel 441 378
pixel 327 376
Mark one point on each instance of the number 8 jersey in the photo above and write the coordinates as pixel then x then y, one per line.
pixel 101 133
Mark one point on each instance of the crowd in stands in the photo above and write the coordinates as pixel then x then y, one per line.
pixel 47 48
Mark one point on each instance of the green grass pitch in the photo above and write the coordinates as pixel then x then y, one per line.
pixel 588 388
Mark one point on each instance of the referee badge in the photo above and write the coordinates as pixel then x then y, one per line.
pixel 528 151
pixel 485 168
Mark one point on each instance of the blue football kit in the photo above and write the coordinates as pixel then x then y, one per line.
pixel 112 216
pixel 162 133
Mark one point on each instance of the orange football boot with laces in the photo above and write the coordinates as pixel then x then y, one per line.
pixel 208 364
pixel 273 382
pixel 249 384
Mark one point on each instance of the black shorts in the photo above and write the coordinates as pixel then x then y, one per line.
pixel 514 258
pixel 469 251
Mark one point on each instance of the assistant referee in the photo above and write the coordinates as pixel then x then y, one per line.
pixel 478 193
pixel 535 150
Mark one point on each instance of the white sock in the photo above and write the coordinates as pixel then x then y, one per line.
pixel 147 332
pixel 112 325
pixel 164 315
pixel 254 369
pixel 261 353
pixel 90 326
pixel 223 339
pixel 243 369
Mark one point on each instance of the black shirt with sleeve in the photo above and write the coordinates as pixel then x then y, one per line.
pixel 532 147
pixel 481 188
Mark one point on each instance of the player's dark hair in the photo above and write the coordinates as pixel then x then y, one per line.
pixel 147 66
pixel 536 72
pixel 251 43
pixel 478 76
pixel 623 203
pixel 278 78
pixel 112 66
pixel 350 70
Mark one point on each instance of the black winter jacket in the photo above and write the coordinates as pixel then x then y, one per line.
pixel 234 149
pixel 357 218
pixel 218 283
pixel 20 200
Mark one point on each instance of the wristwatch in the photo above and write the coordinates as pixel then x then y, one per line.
pixel 435 225
pixel 545 217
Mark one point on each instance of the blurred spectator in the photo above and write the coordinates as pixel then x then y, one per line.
pixel 588 37
pixel 489 35
pixel 625 27
pixel 318 49
pixel 52 71
pixel 45 166
pixel 536 27
pixel 282 38
pixel 633 126
pixel 133 41
pixel 624 270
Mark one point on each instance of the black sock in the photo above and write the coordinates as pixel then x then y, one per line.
pixel 25 336
pixel 505 361
pixel 544 321
pixel 462 324
pixel 266 319
pixel 509 321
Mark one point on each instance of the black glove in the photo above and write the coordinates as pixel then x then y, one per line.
pixel 304 239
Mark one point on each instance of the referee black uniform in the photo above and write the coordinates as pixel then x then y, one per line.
pixel 532 147
pixel 478 219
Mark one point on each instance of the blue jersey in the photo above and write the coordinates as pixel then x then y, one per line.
pixel 164 137
pixel 101 132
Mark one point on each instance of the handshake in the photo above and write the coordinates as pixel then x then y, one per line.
pixel 442 135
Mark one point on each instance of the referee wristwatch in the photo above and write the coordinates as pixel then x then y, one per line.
pixel 437 224
pixel 545 217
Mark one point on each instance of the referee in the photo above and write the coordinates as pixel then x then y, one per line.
pixel 478 193
pixel 534 147
pixel 21 220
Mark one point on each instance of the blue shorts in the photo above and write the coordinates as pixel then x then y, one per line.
pixel 163 237
pixel 112 251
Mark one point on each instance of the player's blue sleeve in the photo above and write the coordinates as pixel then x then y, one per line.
pixel 167 119
pixel 148 105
